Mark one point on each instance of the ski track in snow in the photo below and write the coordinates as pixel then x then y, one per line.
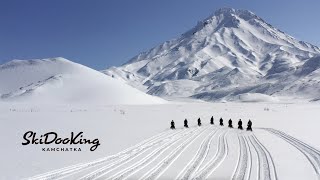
pixel 170 145
pixel 216 160
pixel 198 159
pixel 168 160
pixel 311 153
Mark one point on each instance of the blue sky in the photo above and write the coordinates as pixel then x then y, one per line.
pixel 103 33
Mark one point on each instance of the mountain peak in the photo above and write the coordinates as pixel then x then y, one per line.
pixel 245 14
pixel 230 52
pixel 224 10
pixel 226 18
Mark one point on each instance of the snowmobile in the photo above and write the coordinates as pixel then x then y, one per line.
pixel 199 122
pixel 186 123
pixel 249 126
pixel 172 125
pixel 221 122
pixel 240 125
pixel 211 120
pixel 230 123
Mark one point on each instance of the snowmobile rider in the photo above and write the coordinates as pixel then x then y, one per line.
pixel 186 123
pixel 221 122
pixel 211 120
pixel 172 125
pixel 249 126
pixel 230 123
pixel 240 124
pixel 199 122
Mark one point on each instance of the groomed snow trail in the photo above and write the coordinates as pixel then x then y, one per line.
pixel 194 153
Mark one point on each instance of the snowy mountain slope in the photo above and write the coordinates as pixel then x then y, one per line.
pixel 61 81
pixel 229 53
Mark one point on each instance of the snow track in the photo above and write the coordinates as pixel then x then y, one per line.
pixel 243 166
pixel 198 159
pixel 106 169
pixel 311 153
pixel 216 160
pixel 195 153
pixel 64 172
pixel 266 165
pixel 145 161
pixel 168 160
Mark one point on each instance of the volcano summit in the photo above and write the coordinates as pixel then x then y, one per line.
pixel 233 55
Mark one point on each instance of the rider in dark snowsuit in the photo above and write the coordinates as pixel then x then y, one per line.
pixel 240 124
pixel 249 126
pixel 230 123
pixel 221 122
pixel 172 125
pixel 199 122
pixel 186 123
pixel 211 120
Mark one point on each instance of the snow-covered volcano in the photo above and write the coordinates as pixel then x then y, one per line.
pixel 59 80
pixel 232 55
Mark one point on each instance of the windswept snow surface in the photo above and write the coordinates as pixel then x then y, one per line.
pixel 58 80
pixel 136 142
pixel 230 53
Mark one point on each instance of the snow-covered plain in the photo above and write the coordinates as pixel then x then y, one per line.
pixel 210 151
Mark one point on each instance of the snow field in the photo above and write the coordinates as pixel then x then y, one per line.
pixel 233 157
pixel 128 152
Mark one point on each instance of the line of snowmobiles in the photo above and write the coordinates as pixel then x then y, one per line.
pixel 185 123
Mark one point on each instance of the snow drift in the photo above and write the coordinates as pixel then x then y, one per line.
pixel 59 80
pixel 230 53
